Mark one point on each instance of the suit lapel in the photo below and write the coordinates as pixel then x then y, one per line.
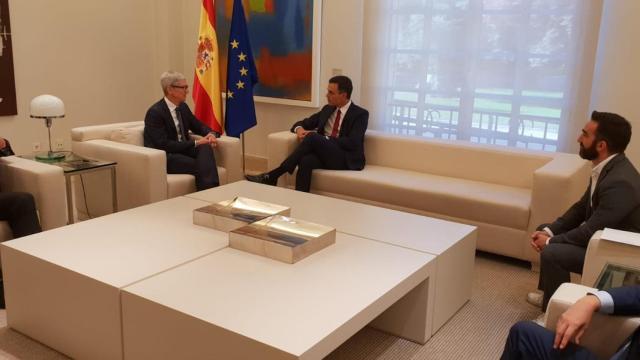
pixel 328 110
pixel 603 174
pixel 347 120
pixel 168 119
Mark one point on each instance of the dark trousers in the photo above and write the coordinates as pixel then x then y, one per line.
pixel 528 340
pixel 557 261
pixel 314 152
pixel 199 162
pixel 19 209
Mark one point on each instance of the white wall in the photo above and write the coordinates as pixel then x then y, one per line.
pixel 104 58
pixel 100 57
pixel 617 71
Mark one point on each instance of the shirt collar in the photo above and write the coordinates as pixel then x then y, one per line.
pixel 345 107
pixel 595 172
pixel 171 105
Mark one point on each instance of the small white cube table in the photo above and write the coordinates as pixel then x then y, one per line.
pixel 236 305
pixel 453 244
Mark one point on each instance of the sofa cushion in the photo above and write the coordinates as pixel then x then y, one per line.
pixel 128 135
pixel 183 184
pixel 180 184
pixel 457 159
pixel 467 199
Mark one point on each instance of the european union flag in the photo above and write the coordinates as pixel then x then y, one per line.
pixel 241 76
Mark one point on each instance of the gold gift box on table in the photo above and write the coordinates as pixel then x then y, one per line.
pixel 282 238
pixel 232 214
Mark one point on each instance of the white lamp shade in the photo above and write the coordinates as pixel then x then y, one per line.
pixel 46 106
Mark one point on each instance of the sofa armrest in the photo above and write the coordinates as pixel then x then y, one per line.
pixel 600 252
pixel 616 329
pixel 45 182
pixel 556 186
pixel 279 146
pixel 141 176
pixel 229 156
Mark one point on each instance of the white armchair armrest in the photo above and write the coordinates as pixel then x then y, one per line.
pixel 279 146
pixel 556 186
pixel 229 156
pixel 141 176
pixel 615 329
pixel 45 182
pixel 600 252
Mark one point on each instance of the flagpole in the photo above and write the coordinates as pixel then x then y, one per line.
pixel 244 172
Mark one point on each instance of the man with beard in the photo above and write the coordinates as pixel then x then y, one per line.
pixel 611 200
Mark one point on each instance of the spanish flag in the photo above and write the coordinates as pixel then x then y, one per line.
pixel 206 82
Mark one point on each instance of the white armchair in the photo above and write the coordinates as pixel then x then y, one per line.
pixel 605 333
pixel 45 182
pixel 615 329
pixel 600 252
pixel 141 172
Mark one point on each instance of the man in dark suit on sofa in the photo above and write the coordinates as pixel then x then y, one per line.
pixel 166 127
pixel 332 138
pixel 612 200
pixel 528 340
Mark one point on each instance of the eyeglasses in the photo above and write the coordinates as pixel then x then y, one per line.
pixel 184 87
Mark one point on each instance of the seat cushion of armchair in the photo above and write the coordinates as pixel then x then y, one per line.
pixel 466 199
pixel 183 184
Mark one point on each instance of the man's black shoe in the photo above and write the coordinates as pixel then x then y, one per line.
pixel 262 179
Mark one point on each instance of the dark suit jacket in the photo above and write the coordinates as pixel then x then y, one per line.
pixel 626 301
pixel 351 138
pixel 616 204
pixel 160 130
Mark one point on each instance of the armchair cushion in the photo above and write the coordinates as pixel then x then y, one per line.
pixel 128 135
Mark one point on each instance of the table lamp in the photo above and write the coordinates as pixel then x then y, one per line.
pixel 47 107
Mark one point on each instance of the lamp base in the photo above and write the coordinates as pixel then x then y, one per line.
pixel 50 156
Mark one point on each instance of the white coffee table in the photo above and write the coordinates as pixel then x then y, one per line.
pixel 62 287
pixel 453 244
pixel 403 273
pixel 236 305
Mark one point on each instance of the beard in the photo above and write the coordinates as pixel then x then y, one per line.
pixel 589 153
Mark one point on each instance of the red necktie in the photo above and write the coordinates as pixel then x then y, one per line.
pixel 336 125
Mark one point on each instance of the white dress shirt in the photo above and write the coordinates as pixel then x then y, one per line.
pixel 328 127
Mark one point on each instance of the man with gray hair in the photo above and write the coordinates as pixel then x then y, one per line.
pixel 166 127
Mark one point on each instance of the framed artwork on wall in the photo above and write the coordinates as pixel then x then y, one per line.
pixel 285 41
pixel 8 104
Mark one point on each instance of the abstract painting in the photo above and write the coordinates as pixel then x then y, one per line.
pixel 7 78
pixel 285 41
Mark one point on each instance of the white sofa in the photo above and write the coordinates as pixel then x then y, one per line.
pixel 45 182
pixel 505 192
pixel 141 172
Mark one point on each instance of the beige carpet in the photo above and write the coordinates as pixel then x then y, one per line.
pixel 478 330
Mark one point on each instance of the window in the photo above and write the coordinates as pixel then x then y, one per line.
pixel 487 71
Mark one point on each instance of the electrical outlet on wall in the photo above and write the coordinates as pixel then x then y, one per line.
pixel 36 146
pixel 59 144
